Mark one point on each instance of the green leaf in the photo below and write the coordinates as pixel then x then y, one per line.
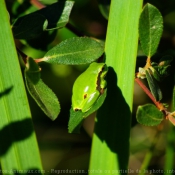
pixel 45 98
pixel 40 92
pixel 150 29
pixel 77 117
pixel 57 14
pixel 149 115
pixel 29 27
pixel 155 73
pixel 165 60
pixel 18 148
pixel 51 17
pixel 77 50
pixel 154 87
pixel 161 70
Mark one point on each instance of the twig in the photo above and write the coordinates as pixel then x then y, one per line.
pixel 147 91
pixel 37 4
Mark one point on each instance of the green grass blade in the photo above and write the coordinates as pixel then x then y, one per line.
pixel 18 148
pixel 110 149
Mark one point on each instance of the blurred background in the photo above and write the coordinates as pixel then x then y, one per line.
pixel 58 148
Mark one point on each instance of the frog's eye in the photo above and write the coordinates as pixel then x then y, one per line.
pixel 85 96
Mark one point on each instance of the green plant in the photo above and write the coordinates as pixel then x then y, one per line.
pixel 18 140
pixel 114 102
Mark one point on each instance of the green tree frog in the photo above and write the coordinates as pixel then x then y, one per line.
pixel 89 86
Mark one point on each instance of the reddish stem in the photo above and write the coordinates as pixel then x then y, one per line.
pixel 23 55
pixel 37 4
pixel 147 91
pixel 38 60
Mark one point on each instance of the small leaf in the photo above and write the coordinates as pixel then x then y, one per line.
pixel 165 60
pixel 149 115
pixel 77 117
pixel 45 98
pixel 29 27
pixel 75 50
pixel 154 87
pixel 51 17
pixel 75 121
pixel 150 29
pixel 57 14
pixel 156 73
pixel 40 92
pixel 161 70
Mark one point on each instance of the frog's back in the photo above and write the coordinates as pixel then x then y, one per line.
pixel 86 83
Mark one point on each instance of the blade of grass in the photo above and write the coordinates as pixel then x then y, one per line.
pixel 110 148
pixel 18 148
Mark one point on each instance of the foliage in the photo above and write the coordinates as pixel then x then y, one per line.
pixel 37 24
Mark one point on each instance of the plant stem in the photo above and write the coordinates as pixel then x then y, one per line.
pixel 37 4
pixel 147 91
pixel 148 63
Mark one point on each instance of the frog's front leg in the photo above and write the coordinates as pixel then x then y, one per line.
pixel 89 100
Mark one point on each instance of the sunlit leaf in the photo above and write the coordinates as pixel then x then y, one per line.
pixel 150 29
pixel 149 115
pixel 18 148
pixel 77 50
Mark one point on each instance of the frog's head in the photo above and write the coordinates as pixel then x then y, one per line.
pixel 101 78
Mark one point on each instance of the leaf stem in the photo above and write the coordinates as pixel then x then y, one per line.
pixel 37 4
pixel 167 114
pixel 147 91
pixel 148 63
